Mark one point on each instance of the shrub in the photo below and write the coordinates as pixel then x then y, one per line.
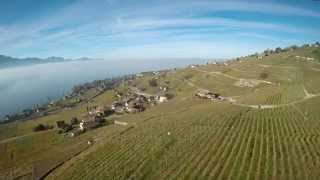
pixel 64 126
pixel 74 121
pixel 316 53
pixel 108 112
pixel 67 128
pixel 60 124
pixel 153 82
pixel 188 76
pixel 41 127
pixel 169 95
pixel 264 75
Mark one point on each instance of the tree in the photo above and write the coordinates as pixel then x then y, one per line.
pixel 108 111
pixel 305 45
pixel 278 50
pixel 41 127
pixel 60 124
pixel 74 121
pixel 153 82
pixel 317 43
pixel 294 47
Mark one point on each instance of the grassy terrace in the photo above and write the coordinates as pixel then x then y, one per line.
pixel 188 138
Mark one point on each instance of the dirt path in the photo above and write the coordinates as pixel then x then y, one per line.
pixel 139 92
pixel 315 69
pixel 242 71
pixel 120 123
pixel 255 106
pixel 309 95
pixel 270 106
pixel 218 73
pixel 282 67
pixel 231 77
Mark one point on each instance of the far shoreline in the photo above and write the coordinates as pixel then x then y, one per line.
pixel 4 118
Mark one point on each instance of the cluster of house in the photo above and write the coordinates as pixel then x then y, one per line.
pixel 95 116
pixel 136 102
pixel 224 63
pixel 260 57
pixel 26 113
pixel 206 94
pixel 305 58
pixel 211 62
pixel 153 73
pixel 193 66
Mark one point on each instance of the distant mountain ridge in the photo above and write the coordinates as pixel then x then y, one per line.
pixel 7 61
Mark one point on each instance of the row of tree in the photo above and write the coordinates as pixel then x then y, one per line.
pixel 293 47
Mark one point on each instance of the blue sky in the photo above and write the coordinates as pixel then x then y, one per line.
pixel 154 28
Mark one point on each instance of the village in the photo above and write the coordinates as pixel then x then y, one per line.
pixel 136 100
pixel 79 94
pixel 96 116
pixel 131 101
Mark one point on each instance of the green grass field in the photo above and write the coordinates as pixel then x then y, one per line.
pixel 189 138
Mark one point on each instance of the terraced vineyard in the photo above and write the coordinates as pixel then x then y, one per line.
pixel 244 144
pixel 269 131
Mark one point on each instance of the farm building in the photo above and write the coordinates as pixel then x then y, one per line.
pixel 164 88
pixel 162 99
pixel 202 93
pixel 206 94
pixel 134 106
pixel 118 107
pixel 130 105
pixel 88 124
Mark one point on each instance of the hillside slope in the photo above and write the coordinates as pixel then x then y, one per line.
pixel 266 126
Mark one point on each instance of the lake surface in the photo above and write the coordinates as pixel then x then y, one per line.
pixel 21 87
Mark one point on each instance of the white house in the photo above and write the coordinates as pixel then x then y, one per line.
pixel 87 124
pixel 162 99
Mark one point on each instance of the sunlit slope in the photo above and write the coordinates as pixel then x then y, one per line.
pixel 189 138
pixel 267 128
pixel 238 144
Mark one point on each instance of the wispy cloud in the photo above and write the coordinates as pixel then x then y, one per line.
pixel 255 6
pixel 108 25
